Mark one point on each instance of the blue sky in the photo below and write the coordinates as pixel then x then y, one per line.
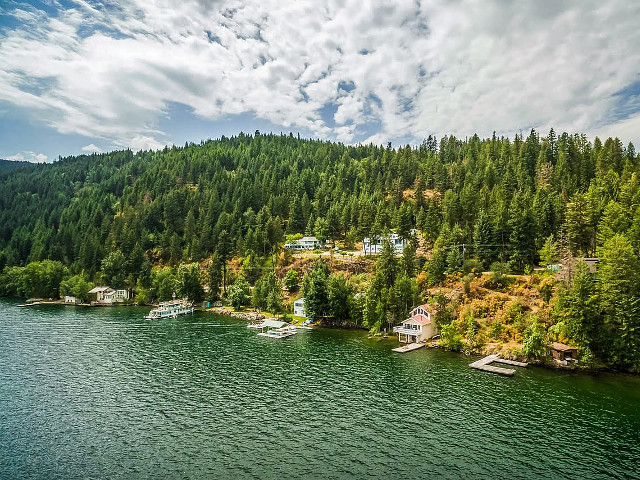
pixel 81 76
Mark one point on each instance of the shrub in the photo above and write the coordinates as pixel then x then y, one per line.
pixel 238 293
pixel 450 338
pixel 534 344
pixel 498 272
pixel 473 266
pixel 291 280
pixel 495 330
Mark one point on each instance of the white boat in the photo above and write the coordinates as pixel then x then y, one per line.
pixel 170 309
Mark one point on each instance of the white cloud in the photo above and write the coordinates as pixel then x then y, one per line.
pixel 417 68
pixel 27 156
pixel 91 148
pixel 140 142
pixel 627 130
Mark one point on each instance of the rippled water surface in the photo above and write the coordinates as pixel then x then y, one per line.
pixel 102 393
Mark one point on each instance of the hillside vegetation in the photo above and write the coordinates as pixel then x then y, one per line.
pixel 214 217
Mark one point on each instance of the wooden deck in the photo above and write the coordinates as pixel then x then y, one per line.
pixel 484 364
pixel 409 347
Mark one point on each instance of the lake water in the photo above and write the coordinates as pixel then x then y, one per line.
pixel 103 393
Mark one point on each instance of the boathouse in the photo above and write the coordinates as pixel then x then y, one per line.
pixel 420 326
pixel 563 353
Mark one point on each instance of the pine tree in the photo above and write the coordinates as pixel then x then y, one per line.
pixel 619 292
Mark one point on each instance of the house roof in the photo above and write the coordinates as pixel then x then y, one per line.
pixel 299 301
pixel 100 289
pixel 421 319
pixel 427 307
pixel 561 347
pixel 308 239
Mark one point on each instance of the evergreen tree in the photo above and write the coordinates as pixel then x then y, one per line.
pixel 296 217
pixel 522 236
pixel 619 292
pixel 214 277
pixel 316 294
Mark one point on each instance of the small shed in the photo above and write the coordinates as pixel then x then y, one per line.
pixel 563 352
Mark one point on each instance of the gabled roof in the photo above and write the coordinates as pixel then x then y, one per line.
pixel 308 239
pixel 427 308
pixel 421 319
pixel 561 347
pixel 100 289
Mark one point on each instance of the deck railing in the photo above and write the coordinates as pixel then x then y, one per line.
pixel 406 331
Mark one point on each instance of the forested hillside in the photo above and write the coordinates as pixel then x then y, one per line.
pixel 141 219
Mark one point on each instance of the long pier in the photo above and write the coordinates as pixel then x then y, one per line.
pixel 485 365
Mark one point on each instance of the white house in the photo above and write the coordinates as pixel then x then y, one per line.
pixel 103 294
pixel 305 243
pixel 419 327
pixel 122 295
pixel 374 245
pixel 298 308
pixel 107 295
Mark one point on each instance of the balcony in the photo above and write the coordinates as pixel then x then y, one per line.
pixel 406 331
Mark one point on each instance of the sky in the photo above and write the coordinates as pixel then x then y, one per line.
pixel 83 76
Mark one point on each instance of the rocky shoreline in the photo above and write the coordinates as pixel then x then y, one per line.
pixel 248 316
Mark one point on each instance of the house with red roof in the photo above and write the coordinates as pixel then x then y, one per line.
pixel 420 326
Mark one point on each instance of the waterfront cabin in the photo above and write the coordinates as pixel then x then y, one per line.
pixel 298 308
pixel 71 300
pixel 104 295
pixel 563 353
pixel 420 326
pixel 374 245
pixel 305 243
pixel 116 296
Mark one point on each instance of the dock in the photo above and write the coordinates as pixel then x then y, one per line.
pixel 485 365
pixel 409 347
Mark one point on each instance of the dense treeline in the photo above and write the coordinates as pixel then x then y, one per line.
pixel 141 219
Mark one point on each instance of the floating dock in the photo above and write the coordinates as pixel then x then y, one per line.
pixel 485 365
pixel 410 347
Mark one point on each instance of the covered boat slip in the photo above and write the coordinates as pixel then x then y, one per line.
pixel 274 329
pixel 283 332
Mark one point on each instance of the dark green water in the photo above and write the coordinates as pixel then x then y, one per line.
pixel 102 393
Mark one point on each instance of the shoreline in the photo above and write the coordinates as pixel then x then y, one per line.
pixel 256 316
